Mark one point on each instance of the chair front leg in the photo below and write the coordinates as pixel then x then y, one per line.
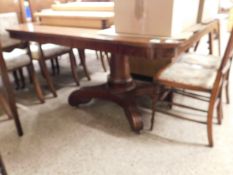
pixel 220 111
pixel 210 122
pixel 53 66
pixel 73 66
pixel 36 83
pixel 156 94
pixel 57 65
pixel 45 72
pixel 29 75
pixel 82 57
pixel 16 79
pixel 102 61
pixel 22 79
pixel 227 87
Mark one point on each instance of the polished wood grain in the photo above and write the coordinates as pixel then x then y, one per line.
pixel 120 87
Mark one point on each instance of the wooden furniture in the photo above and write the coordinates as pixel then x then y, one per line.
pixel 9 96
pixel 16 58
pixel 2 167
pixel 47 51
pixel 43 52
pixel 8 99
pixel 210 62
pixel 79 14
pixel 37 6
pixel 120 87
pixel 147 68
pixel 199 78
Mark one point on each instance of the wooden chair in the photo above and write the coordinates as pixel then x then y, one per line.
pixel 7 98
pixel 43 52
pixel 36 6
pixel 182 75
pixel 16 59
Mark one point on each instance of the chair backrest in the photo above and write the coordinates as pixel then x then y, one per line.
pixel 7 20
pixel 225 66
pixel 228 52
pixel 13 6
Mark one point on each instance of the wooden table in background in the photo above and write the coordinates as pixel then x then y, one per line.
pixel 120 87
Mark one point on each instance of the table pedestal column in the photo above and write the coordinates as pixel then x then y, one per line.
pixel 120 88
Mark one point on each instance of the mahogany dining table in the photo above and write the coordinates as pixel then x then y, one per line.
pixel 120 88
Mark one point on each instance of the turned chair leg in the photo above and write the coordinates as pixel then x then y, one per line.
pixel 155 98
pixel 16 79
pixel 53 66
pixel 102 61
pixel 220 110
pixel 73 66
pixel 210 123
pixel 227 93
pixel 97 55
pixel 57 65
pixel 41 69
pixel 108 57
pixel 22 79
pixel 82 57
pixel 36 83
pixel 227 87
pixel 45 72
pixel 29 75
pixel 196 46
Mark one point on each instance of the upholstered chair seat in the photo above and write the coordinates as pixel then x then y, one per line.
pixel 187 74
pixel 16 59
pixel 208 61
pixel 49 50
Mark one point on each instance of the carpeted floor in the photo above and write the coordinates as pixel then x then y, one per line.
pixel 95 139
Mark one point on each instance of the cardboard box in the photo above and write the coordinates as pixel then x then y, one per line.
pixel 155 17
pixel 208 10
